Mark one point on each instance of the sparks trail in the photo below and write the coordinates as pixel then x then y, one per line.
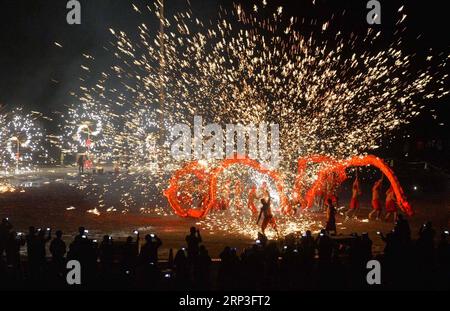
pixel 331 97
pixel 21 141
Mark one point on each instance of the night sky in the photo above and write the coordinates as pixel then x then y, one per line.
pixel 38 75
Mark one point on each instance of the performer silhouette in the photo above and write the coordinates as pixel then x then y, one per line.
pixel 81 163
pixel 266 211
pixel 376 206
pixel 391 207
pixel 331 217
pixel 354 202
pixel 251 200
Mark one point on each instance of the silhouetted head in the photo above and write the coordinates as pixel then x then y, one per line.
pixel 58 234
pixel 31 230
pixel 81 230
pixel 308 232
pixel 181 253
pixel 148 238
pixel 330 202
pixel 129 239
pixel 193 229
pixel 105 238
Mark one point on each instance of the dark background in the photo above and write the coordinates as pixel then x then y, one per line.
pixel 38 75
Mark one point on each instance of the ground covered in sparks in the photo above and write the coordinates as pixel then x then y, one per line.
pixel 54 202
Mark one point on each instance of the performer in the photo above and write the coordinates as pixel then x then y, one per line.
pixel 225 201
pixel 295 203
pixel 264 190
pixel 81 164
pixel 391 207
pixel 331 217
pixel 267 213
pixel 376 206
pixel 320 199
pixel 251 200
pixel 332 191
pixel 237 200
pixel 329 192
pixel 354 202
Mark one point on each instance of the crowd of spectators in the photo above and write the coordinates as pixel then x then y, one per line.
pixel 298 262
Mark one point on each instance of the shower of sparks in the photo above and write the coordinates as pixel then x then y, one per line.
pixel 243 224
pixel 21 141
pixel 331 97
pixel 6 187
pixel 89 128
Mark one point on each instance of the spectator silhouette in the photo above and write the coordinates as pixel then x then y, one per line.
pixel 229 268
pixel 225 269
pixel 170 263
pixel 443 261
pixel 31 252
pixel 253 267
pixel 85 251
pixel 13 244
pixel 366 248
pixel 443 250
pixel 149 251
pixel 193 241
pixel 5 228
pixel 324 247
pixel 82 232
pixel 106 252
pixel 403 230
pixel 58 250
pixel 271 255
pixel 202 270
pixel 425 243
pixel 181 268
pixel 308 246
pixel 129 255
pixel 42 238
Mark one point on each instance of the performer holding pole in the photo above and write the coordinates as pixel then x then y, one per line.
pixel 331 217
pixel 266 211
pixel 81 163
pixel 354 202
pixel 391 207
pixel 376 206
pixel 251 200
